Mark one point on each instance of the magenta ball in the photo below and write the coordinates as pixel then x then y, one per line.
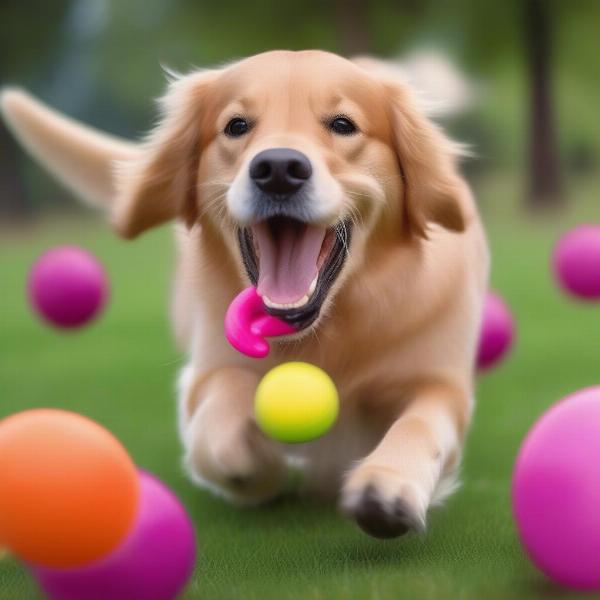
pixel 556 491
pixel 67 286
pixel 497 332
pixel 154 562
pixel 576 262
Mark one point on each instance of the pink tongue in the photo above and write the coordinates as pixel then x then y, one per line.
pixel 288 259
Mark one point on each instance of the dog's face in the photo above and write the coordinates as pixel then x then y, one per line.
pixel 298 160
pixel 301 162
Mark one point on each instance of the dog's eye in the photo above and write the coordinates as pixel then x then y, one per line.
pixel 237 127
pixel 342 125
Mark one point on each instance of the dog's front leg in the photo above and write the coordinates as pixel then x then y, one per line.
pixel 224 449
pixel 388 492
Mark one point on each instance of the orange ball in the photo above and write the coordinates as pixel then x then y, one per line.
pixel 68 489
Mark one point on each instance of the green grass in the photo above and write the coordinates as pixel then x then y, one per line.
pixel 121 371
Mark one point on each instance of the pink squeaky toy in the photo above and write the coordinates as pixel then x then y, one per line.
pixel 556 491
pixel 247 324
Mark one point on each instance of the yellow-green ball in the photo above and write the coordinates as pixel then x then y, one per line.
pixel 296 402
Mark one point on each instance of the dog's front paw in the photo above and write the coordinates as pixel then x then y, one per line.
pixel 383 503
pixel 242 465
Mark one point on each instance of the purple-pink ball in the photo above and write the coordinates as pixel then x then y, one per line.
pixel 497 332
pixel 67 286
pixel 556 491
pixel 153 563
pixel 576 262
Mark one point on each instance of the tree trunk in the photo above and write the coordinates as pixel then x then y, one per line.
pixel 353 26
pixel 544 176
pixel 14 203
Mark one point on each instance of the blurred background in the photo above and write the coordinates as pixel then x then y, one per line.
pixel 533 64
pixel 531 68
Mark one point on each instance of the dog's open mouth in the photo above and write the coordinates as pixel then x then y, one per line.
pixel 294 264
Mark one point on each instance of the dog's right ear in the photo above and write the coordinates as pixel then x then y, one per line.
pixel 160 183
pixel 140 185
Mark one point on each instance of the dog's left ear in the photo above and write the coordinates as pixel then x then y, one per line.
pixel 160 183
pixel 433 188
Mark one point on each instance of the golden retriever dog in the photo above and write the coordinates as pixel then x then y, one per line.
pixel 321 181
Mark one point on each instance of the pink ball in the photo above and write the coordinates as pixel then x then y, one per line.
pixel 556 491
pixel 154 562
pixel 67 286
pixel 497 332
pixel 576 262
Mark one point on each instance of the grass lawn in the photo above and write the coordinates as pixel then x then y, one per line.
pixel 121 372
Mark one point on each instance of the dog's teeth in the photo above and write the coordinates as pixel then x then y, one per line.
pixel 272 304
pixel 301 302
pixel 268 302
pixel 287 305
pixel 304 300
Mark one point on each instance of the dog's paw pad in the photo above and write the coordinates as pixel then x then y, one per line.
pixel 384 520
pixel 239 482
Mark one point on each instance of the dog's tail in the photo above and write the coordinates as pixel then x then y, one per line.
pixel 443 90
pixel 82 158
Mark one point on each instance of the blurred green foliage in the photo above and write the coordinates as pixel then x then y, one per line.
pixel 100 60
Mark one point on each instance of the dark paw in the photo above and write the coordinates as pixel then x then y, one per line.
pixel 384 520
pixel 240 482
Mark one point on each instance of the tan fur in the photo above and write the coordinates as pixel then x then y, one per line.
pixel 398 331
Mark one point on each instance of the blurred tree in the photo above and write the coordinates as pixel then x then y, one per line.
pixel 25 43
pixel 14 200
pixel 352 18
pixel 545 180
pixel 521 32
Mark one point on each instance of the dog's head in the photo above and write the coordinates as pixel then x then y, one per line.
pixel 298 160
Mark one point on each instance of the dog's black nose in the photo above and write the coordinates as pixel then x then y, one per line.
pixel 280 171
